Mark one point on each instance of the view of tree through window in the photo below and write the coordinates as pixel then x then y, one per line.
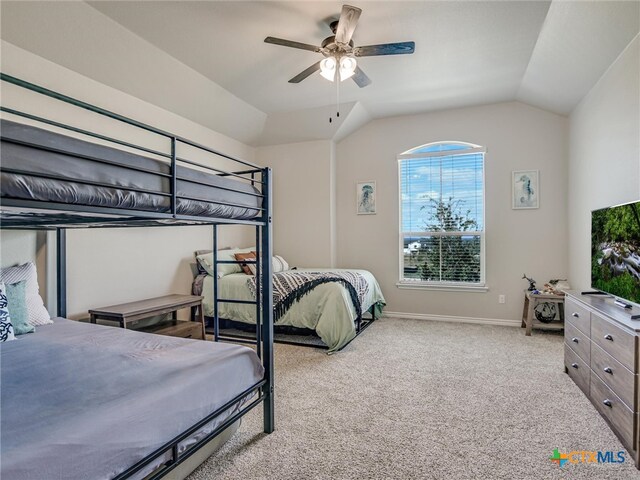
pixel 442 214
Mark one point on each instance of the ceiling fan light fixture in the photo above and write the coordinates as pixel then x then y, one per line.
pixel 347 67
pixel 328 68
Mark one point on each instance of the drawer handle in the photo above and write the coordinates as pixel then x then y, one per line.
pixel 608 337
pixel 574 365
pixel 575 340
pixel 575 315
pixel 608 370
pixel 608 402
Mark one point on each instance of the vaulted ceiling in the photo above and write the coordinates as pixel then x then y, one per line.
pixel 207 60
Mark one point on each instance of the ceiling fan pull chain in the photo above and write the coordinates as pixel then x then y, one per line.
pixel 337 97
pixel 330 118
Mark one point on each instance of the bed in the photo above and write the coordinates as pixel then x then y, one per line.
pixel 66 417
pixel 88 401
pixel 42 165
pixel 327 309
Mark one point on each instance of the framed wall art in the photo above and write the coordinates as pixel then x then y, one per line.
pixel 366 198
pixel 525 189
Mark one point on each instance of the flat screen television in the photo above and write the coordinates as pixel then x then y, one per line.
pixel 615 251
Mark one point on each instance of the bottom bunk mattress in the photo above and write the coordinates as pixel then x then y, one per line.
pixel 86 401
pixel 328 308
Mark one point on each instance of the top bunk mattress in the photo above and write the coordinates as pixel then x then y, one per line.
pixel 37 153
pixel 86 401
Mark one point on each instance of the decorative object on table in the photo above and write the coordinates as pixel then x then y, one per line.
pixel 560 284
pixel 542 311
pixel 545 312
pixel 556 287
pixel 366 198
pixel 525 189
pixel 532 282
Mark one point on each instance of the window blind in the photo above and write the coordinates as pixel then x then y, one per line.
pixel 442 209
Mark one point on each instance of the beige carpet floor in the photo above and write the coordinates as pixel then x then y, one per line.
pixel 413 399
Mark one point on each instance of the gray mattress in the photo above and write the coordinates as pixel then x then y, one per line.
pixel 83 401
pixel 72 168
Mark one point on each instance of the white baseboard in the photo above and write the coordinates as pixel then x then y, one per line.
pixel 455 319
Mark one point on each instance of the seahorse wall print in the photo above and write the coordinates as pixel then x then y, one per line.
pixel 525 189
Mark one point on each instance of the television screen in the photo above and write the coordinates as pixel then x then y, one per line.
pixel 615 251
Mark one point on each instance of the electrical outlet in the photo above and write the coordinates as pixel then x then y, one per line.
pixel 502 299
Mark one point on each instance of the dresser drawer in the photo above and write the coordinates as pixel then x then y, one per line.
pixel 613 409
pixel 617 377
pixel 577 369
pixel 578 341
pixel 578 316
pixel 616 342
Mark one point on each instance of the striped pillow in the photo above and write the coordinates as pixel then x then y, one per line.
pixel 248 268
pixel 279 263
pixel 38 315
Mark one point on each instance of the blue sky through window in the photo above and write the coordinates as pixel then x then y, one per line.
pixel 442 177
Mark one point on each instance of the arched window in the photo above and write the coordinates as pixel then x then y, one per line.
pixel 442 215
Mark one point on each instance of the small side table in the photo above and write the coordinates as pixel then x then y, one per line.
pixel 127 313
pixel 531 300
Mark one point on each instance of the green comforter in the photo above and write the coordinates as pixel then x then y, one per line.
pixel 327 309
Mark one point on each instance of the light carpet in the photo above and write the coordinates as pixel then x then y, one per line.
pixel 414 399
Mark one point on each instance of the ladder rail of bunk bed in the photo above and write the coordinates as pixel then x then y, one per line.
pixel 109 217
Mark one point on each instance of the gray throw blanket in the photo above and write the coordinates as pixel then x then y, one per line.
pixel 292 285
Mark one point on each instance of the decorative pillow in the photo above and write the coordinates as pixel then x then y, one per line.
pixel 204 252
pixel 279 264
pixel 6 329
pixel 224 268
pixel 17 303
pixel 38 315
pixel 249 269
pixel 198 253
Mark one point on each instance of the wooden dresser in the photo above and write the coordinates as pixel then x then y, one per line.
pixel 601 356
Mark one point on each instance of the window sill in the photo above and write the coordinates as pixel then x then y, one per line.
pixel 442 288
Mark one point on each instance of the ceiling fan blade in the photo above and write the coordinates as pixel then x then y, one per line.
pixel 292 44
pixel 401 48
pixel 347 23
pixel 361 78
pixel 305 73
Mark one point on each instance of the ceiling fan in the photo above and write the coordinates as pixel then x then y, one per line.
pixel 340 53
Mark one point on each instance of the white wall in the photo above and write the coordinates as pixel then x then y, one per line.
pixel 604 164
pixel 114 265
pixel 303 203
pixel 517 137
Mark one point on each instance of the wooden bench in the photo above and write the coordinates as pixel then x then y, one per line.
pixel 128 313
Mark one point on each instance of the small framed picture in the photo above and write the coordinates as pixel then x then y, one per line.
pixel 366 198
pixel 525 187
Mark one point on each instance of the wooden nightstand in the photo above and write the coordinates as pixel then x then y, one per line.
pixel 128 313
pixel 531 301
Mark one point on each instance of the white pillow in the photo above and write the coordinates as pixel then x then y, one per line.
pixel 206 261
pixel 279 265
pixel 6 328
pixel 38 315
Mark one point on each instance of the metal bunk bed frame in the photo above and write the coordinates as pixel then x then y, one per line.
pixel 61 216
